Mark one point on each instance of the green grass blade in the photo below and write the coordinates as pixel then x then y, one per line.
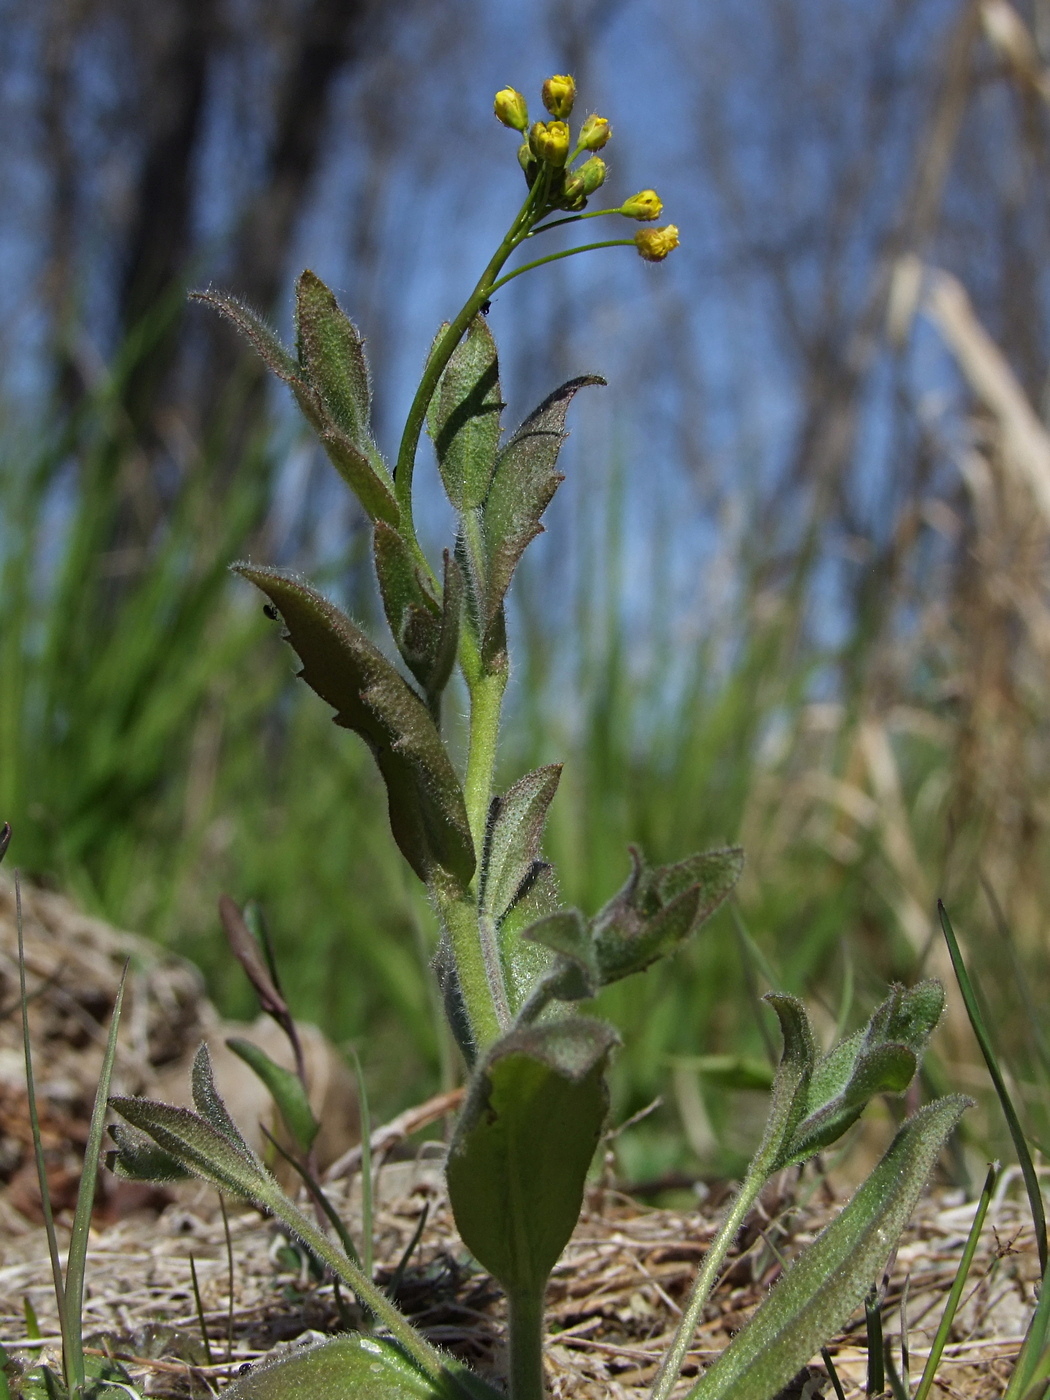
pixel 366 1167
pixel 1032 1362
pixel 876 1345
pixel 38 1144
pixel 199 1305
pixel 73 1301
pixel 951 1306
pixel 1024 1157
pixel 836 1384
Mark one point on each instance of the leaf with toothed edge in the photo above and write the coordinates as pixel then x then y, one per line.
pixel 523 483
pixel 427 810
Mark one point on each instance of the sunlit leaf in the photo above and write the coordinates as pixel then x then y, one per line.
pixel 464 417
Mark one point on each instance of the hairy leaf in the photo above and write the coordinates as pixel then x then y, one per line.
pixel 332 358
pixel 256 331
pixel 285 1088
pixel 512 840
pixel 427 810
pixel 464 417
pixel 138 1158
pixel 198 1146
pixel 882 1058
pixel 522 485
pixel 525 962
pixel 412 612
pixel 363 471
pixel 659 907
pixel 528 1131
pixel 566 933
pixel 820 1291
pixel 354 1368
pixel 209 1104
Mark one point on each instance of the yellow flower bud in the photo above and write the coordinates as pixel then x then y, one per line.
pixel 592 173
pixel 594 133
pixel 647 204
pixel 655 243
pixel 559 93
pixel 511 108
pixel 549 141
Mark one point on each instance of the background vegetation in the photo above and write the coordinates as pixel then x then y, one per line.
pixel 794 592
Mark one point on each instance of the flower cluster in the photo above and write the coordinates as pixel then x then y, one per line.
pixel 548 152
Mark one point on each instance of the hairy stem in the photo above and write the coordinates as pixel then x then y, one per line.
pixel 480 982
pixel 705 1282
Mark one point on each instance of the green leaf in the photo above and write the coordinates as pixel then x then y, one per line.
pixel 427 812
pixel 332 359
pixel 412 612
pixel 790 1083
pixel 199 1147
pixel 566 933
pixel 525 1139
pixel 659 907
pixel 464 417
pixel 512 839
pixel 209 1104
pixel 138 1158
pixel 522 485
pixel 353 1368
pixel 880 1059
pixel 256 331
pixel 285 1088
pixel 820 1291
pixel 364 472
pixel 524 960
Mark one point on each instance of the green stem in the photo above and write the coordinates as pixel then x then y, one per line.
pixel 567 253
pixel 525 1312
pixel 442 353
pixel 477 967
pixel 671 1366
pixel 572 219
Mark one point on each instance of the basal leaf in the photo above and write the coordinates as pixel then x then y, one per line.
pixel 427 810
pixel 819 1292
pixel 332 358
pixel 138 1158
pixel 354 1368
pixel 518 1162
pixel 209 1104
pixel 512 840
pixel 198 1147
pixel 285 1088
pixel 522 485
pixel 790 1083
pixel 464 417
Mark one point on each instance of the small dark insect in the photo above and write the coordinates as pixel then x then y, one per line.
pixel 270 611
pixel 244 1368
pixel 485 307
